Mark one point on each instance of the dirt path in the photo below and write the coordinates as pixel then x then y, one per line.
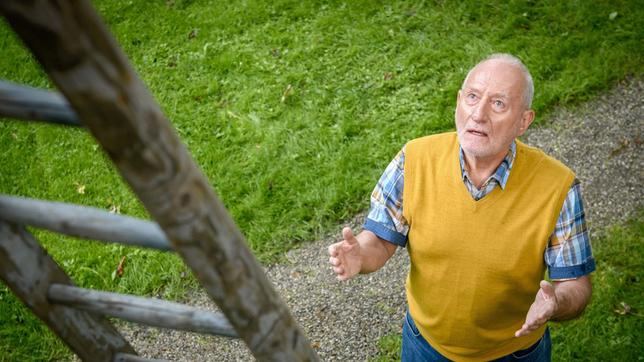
pixel 600 140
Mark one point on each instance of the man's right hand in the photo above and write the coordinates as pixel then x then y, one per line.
pixel 346 256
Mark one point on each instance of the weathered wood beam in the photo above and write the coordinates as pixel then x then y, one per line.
pixel 88 67
pixel 32 104
pixel 28 271
pixel 124 357
pixel 153 312
pixel 83 221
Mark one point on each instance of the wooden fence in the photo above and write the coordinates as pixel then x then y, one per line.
pixel 101 92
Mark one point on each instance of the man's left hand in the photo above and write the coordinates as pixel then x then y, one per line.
pixel 544 307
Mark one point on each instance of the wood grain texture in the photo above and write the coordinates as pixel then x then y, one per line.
pixel 29 103
pixel 153 312
pixel 83 60
pixel 124 357
pixel 29 271
pixel 83 221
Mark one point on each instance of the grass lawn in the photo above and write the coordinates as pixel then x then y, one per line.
pixel 612 327
pixel 292 109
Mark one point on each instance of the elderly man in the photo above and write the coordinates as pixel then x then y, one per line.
pixel 482 216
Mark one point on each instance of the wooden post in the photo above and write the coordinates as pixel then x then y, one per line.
pixel 29 271
pixel 76 50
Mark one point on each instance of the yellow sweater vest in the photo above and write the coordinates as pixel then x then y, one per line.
pixel 476 265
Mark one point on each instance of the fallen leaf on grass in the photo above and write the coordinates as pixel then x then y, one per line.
pixel 80 188
pixel 120 269
pixel 624 309
pixel 232 114
pixel 287 92
pixel 114 209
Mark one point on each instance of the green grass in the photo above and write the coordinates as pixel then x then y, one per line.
pixel 606 331
pixel 24 337
pixel 365 75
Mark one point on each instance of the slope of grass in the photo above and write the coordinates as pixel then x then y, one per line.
pixel 292 109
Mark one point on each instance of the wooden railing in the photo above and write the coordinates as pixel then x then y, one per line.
pixel 101 92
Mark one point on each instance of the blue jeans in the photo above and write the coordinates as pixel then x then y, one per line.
pixel 416 349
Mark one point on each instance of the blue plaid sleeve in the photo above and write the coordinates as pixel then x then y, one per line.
pixel 569 254
pixel 385 217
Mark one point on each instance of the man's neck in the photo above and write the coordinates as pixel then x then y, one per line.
pixel 479 169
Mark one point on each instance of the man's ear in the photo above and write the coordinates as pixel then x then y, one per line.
pixel 526 120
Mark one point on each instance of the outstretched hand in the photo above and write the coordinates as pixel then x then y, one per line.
pixel 544 307
pixel 345 256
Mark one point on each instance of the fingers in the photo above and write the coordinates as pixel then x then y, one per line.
pixel 338 254
pixel 348 236
pixel 547 289
pixel 529 327
pixel 525 330
pixel 541 310
pixel 338 268
pixel 531 324
pixel 342 277
pixel 334 249
pixel 335 260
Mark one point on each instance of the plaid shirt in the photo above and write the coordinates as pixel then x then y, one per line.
pixel 568 255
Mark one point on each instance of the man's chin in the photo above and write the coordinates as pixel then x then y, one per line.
pixel 477 151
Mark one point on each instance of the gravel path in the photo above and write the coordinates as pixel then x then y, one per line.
pixel 600 140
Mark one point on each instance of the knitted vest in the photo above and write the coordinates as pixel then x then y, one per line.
pixel 476 265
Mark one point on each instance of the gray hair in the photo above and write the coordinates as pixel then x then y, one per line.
pixel 528 91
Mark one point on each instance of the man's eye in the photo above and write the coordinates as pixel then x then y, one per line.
pixel 471 96
pixel 499 104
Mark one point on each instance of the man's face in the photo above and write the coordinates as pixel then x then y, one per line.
pixel 490 110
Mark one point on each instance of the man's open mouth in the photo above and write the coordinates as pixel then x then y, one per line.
pixel 477 133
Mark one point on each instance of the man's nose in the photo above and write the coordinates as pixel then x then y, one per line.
pixel 480 111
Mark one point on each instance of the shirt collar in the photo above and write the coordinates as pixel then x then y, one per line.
pixel 502 172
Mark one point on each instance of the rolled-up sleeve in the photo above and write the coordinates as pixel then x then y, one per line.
pixel 569 254
pixel 385 218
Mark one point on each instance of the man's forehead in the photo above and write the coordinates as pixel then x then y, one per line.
pixel 496 76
